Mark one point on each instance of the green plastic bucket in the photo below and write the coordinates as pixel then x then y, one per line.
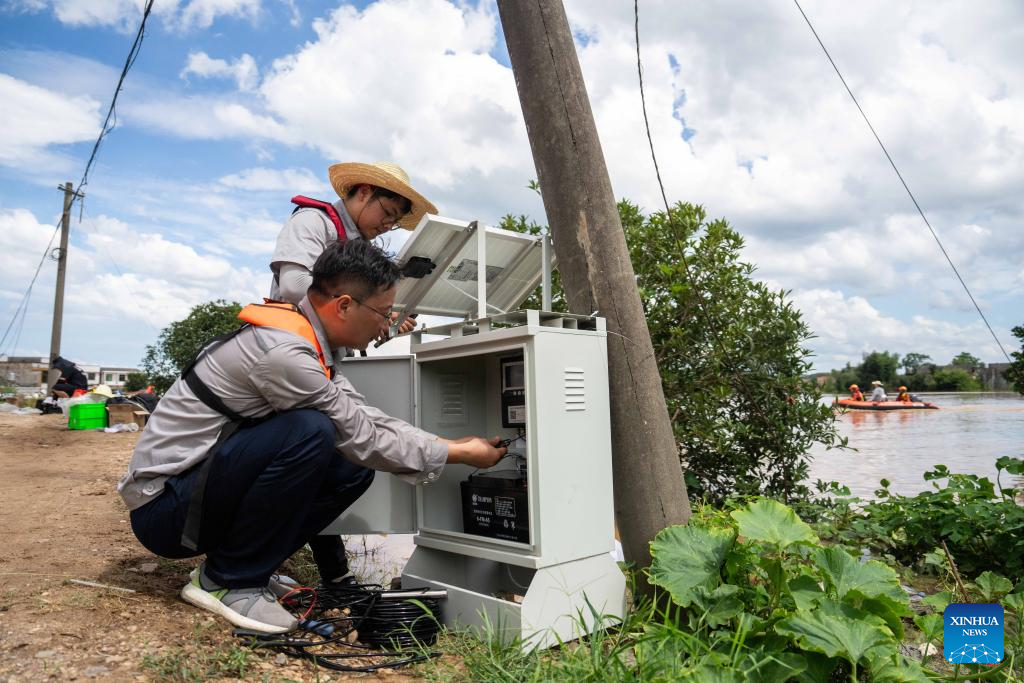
pixel 87 416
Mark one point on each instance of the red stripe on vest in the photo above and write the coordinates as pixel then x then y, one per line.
pixel 302 202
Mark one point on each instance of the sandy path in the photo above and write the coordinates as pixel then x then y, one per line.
pixel 61 519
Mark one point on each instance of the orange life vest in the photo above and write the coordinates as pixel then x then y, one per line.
pixel 856 395
pixel 288 317
pixel 903 396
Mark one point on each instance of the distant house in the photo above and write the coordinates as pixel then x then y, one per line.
pixel 27 374
pixel 992 377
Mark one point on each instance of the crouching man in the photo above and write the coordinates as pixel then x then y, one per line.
pixel 260 445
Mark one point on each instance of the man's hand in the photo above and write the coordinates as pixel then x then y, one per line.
pixel 476 451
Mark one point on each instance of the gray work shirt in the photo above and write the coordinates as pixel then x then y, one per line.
pixel 258 372
pixel 305 235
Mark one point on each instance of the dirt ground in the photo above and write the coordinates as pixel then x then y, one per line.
pixel 62 520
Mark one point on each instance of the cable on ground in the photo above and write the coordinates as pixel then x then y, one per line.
pixel 335 620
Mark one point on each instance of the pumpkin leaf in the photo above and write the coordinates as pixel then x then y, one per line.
pixel 773 523
pixel 931 626
pixel 832 635
pixel 939 601
pixel 685 557
pixel 805 591
pixel 870 579
pixel 992 586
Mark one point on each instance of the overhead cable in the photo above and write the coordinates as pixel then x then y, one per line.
pixel 904 182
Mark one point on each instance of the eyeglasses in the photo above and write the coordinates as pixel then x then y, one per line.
pixel 384 314
pixel 391 218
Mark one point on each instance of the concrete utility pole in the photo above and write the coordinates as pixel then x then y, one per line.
pixel 58 297
pixel 594 262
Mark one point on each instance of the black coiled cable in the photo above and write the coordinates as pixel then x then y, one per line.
pixel 399 627
pixel 399 624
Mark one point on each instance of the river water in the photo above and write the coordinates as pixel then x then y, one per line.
pixel 967 434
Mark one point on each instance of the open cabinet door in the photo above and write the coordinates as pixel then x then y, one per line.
pixel 389 505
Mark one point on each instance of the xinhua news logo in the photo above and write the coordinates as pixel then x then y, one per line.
pixel 973 633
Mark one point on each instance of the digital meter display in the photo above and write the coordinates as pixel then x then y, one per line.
pixel 513 392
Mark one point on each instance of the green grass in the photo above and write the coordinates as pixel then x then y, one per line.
pixel 188 665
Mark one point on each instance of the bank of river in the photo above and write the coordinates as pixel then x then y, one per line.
pixel 967 434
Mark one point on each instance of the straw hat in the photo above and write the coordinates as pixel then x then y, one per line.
pixel 876 383
pixel 103 390
pixel 381 174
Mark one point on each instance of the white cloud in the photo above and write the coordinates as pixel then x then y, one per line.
pixel 33 118
pixel 293 180
pixel 242 70
pixel 202 13
pixel 457 118
pixel 847 327
pixel 125 15
pixel 118 276
pixel 22 241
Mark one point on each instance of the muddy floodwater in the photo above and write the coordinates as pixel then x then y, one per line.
pixel 967 434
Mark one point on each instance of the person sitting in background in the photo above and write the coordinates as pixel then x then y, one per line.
pixel 903 395
pixel 855 393
pixel 878 393
pixel 71 378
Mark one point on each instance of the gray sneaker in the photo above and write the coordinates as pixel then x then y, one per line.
pixel 253 608
pixel 281 585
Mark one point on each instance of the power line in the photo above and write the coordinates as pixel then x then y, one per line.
pixel 22 308
pixel 739 377
pixel 108 125
pixel 904 182
pixel 111 120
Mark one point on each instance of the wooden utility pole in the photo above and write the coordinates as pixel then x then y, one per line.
pixel 58 297
pixel 594 262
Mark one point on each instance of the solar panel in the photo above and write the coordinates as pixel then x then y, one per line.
pixel 512 269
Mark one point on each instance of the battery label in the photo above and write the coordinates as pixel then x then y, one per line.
pixel 504 507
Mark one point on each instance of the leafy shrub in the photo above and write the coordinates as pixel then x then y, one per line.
pixel 180 341
pixel 980 522
pixel 771 603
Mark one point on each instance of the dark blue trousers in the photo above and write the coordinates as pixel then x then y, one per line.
pixel 271 489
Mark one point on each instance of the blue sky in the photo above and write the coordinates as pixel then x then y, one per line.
pixel 233 106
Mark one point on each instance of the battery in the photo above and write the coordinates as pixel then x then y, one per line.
pixel 494 505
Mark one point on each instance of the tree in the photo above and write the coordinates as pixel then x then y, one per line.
pixel 1015 373
pixel 136 381
pixel 731 355
pixel 913 361
pixel 180 341
pixel 966 361
pixel 741 413
pixel 880 365
pixel 954 379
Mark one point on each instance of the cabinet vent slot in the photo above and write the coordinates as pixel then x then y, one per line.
pixel 453 400
pixel 575 389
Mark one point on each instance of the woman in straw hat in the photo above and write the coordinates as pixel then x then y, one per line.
pixel 373 199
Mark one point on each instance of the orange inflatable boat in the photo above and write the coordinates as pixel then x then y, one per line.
pixel 850 404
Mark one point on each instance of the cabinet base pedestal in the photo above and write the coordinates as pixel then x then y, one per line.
pixel 539 607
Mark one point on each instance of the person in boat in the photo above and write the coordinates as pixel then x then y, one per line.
pixel 373 199
pixel 855 393
pixel 263 442
pixel 878 393
pixel 903 396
